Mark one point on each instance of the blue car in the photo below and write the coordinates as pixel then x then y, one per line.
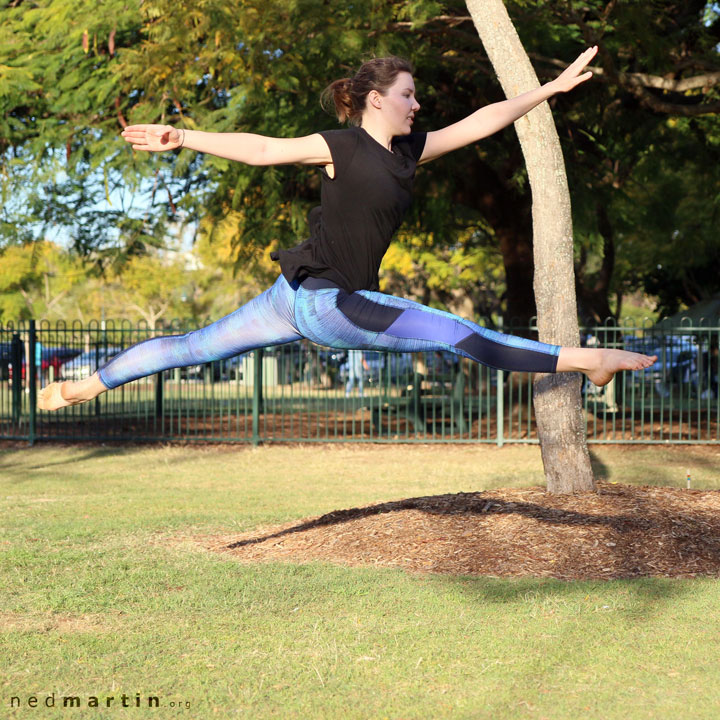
pixel 681 360
pixel 401 366
pixel 87 363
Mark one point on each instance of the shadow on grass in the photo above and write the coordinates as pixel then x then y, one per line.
pixel 600 469
pixel 642 597
pixel 15 464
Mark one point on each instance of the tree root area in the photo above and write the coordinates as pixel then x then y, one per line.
pixel 621 531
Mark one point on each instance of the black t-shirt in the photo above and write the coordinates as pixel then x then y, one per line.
pixel 361 208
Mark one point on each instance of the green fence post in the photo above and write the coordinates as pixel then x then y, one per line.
pixel 257 395
pixel 500 408
pixel 30 375
pixel 500 401
pixel 96 404
pixel 158 395
pixel 16 358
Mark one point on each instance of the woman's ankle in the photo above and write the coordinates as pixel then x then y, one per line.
pixel 82 390
pixel 571 359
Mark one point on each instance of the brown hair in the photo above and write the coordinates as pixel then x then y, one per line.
pixel 348 95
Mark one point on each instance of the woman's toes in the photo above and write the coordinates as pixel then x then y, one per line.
pixel 50 397
pixel 613 361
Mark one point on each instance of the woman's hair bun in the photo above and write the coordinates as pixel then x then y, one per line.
pixel 339 93
pixel 347 96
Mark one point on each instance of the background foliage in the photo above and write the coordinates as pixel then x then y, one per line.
pixel 641 142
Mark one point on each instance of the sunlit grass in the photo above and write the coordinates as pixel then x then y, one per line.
pixel 98 599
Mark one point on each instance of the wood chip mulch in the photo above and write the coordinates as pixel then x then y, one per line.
pixel 621 531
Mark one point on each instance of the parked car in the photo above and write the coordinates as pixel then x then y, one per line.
pixel 675 355
pixel 50 357
pixel 5 360
pixel 681 360
pixel 217 370
pixel 378 365
pixel 87 363
pixel 56 357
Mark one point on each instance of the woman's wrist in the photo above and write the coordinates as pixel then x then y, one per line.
pixel 182 141
pixel 551 88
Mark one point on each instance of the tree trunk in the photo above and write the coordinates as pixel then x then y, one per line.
pixel 558 406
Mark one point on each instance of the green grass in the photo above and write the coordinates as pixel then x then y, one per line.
pixel 95 600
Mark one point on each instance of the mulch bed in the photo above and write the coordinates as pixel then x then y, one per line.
pixel 621 531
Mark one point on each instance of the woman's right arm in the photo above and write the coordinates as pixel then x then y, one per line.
pixel 243 147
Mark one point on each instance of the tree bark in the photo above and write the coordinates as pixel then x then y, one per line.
pixel 558 406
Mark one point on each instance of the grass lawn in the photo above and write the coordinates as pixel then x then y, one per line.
pixel 97 602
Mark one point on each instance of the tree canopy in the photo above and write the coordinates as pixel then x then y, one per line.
pixel 641 141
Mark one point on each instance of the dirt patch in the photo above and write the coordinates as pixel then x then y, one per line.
pixel 52 622
pixel 619 532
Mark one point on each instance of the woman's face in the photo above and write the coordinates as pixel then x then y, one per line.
pixel 399 104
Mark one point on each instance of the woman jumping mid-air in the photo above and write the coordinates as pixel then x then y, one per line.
pixel 327 290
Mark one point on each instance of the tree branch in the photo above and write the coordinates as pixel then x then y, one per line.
pixel 643 79
pixel 56 299
pixel 451 20
pixel 637 84
pixel 680 85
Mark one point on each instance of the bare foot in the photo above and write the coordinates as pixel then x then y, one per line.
pixel 61 394
pixel 600 364
pixel 51 397
pixel 610 362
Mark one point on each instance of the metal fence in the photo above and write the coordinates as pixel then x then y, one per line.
pixel 299 392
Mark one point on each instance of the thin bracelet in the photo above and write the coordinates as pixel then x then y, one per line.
pixel 183 137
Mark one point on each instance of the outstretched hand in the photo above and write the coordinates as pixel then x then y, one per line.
pixel 571 77
pixel 153 138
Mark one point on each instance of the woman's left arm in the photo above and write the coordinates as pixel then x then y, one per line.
pixel 491 118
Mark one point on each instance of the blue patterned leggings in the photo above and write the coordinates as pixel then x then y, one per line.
pixel 324 313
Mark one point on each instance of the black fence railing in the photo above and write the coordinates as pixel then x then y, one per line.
pixel 304 393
